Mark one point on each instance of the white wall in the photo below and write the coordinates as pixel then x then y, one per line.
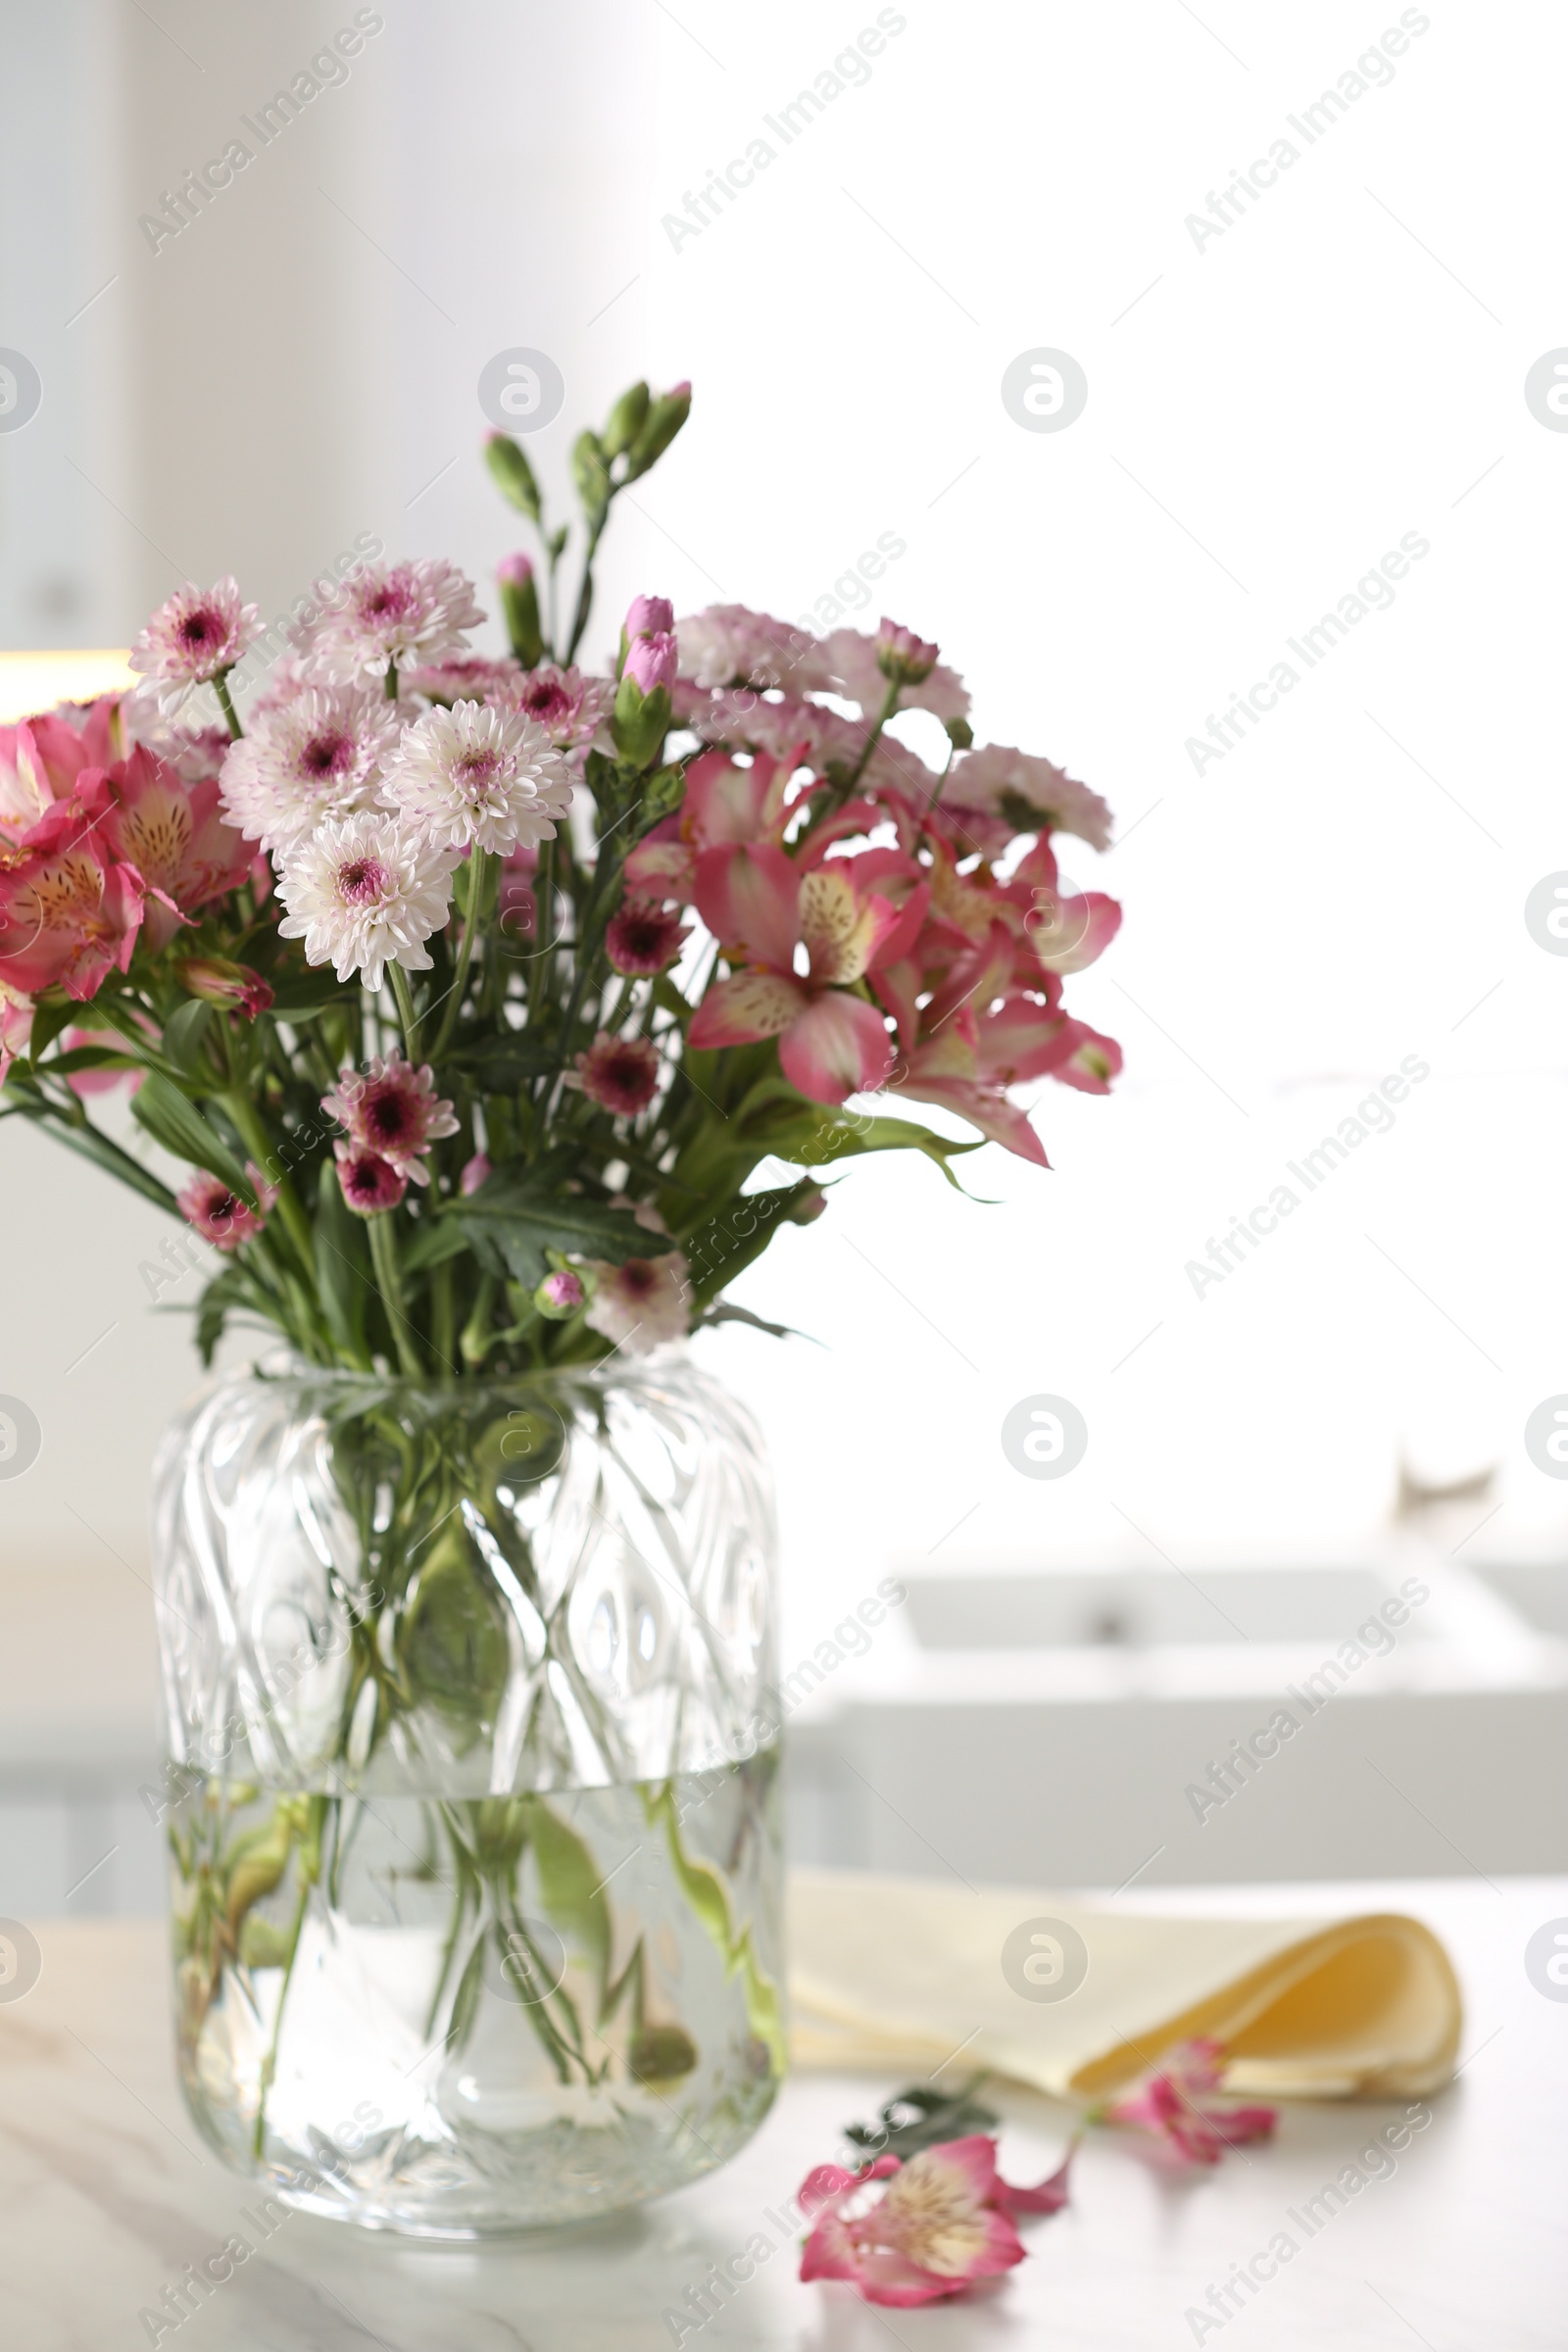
pixel 1265 417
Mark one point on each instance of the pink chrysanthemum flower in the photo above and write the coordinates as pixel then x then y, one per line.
pixel 728 645
pixel 473 777
pixel 619 1073
pixel 643 937
pixel 641 1303
pixel 219 1215
pixel 364 894
pixel 316 756
pixel 413 614
pixel 371 1183
pixel 1028 793
pixel 473 679
pixel 392 1109
pixel 199 633
pixel 570 707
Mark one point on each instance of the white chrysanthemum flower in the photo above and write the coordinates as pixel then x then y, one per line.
pixel 305 760
pixel 363 892
pixel 478 778
pixel 412 613
pixel 729 645
pixel 198 634
pixel 642 1303
pixel 1028 793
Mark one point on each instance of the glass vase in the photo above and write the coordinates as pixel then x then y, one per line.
pixel 471 1797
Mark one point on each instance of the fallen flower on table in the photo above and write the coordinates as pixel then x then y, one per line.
pixel 1173 2104
pixel 943 2221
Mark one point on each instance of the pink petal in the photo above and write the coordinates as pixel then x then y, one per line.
pixel 984 1107
pixel 1069 933
pixel 838 1047
pixel 1092 1063
pixel 1047 2196
pixel 740 1010
pixel 748 897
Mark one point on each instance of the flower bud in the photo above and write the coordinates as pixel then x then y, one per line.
pixel 651 660
pixel 627 420
pixel 649 616
pixel 473 1174
pixel 666 417
pixel 809 1208
pixel 519 609
pixel 216 981
pixel 902 656
pixel 640 721
pixel 560 1295
pixel 513 473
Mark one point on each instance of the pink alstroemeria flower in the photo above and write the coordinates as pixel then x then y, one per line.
pixel 175 835
pixel 945 2220
pixel 759 904
pixel 68 916
pixel 723 804
pixel 41 760
pixel 1173 2105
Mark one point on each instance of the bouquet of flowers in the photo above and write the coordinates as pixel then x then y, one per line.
pixel 505 1010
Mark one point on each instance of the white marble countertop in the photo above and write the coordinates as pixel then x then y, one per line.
pixel 106 2194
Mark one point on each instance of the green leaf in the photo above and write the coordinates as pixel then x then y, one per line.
pixel 572 1887
pixel 229 1290
pixel 513 474
pixel 342 1266
pixel 590 474
pixel 303 998
pixel 172 1119
pixel 183 1032
pixel 436 1240
pixel 921 2117
pixel 48 1020
pixel 90 1057
pixel 725 1243
pixel 516 1216
pixel 501 1064
pixel 818 1137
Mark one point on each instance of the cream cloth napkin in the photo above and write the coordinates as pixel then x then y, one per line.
pixel 901 1974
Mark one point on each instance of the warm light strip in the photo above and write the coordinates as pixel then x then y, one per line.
pixel 32 683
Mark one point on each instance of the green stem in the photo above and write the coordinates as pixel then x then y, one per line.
pixel 385 1258
pixel 478 866
pixel 389 684
pixel 405 1012
pixel 443 1324
pixel 258 1143
pixel 225 704
pixel 585 593
pixel 307 1880
pixel 477 1333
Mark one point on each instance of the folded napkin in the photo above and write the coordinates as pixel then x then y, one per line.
pixel 902 1973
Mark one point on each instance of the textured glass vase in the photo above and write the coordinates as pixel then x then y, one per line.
pixel 472 1799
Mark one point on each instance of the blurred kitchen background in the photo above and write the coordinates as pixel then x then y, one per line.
pixel 1342 893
